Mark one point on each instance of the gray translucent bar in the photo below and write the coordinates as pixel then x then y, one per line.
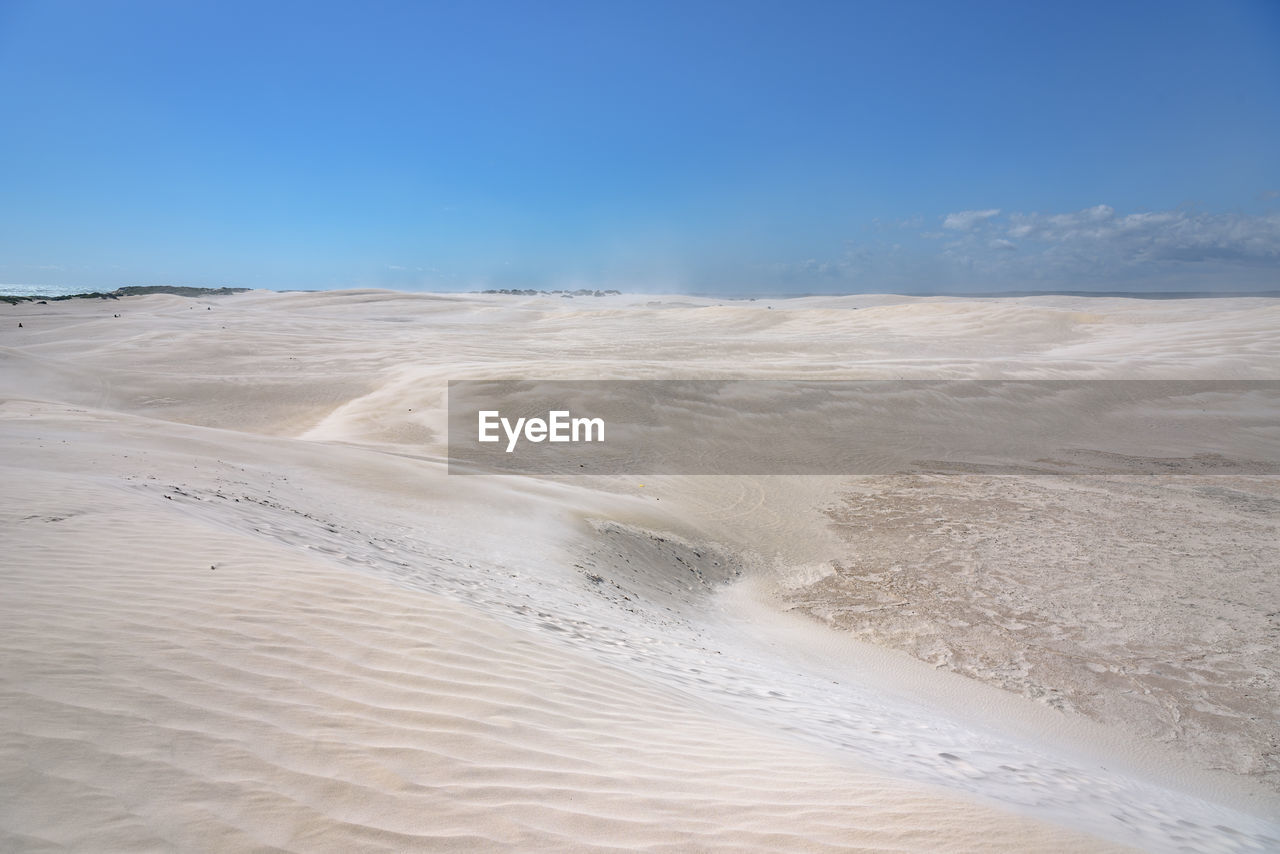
pixel 767 427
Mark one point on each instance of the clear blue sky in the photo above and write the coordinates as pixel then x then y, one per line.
pixel 690 146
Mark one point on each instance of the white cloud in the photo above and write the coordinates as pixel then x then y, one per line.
pixel 1154 236
pixel 1090 249
pixel 968 220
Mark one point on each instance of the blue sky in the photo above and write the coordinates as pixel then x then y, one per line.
pixel 736 147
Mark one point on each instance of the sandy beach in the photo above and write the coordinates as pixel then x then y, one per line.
pixel 245 607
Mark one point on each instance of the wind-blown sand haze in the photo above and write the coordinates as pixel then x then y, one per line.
pixel 245 607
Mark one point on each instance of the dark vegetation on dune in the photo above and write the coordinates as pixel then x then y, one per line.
pixel 132 291
pixel 529 292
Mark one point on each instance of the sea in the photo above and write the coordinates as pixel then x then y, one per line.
pixel 8 290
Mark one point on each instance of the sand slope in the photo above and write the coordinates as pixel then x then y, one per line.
pixel 172 687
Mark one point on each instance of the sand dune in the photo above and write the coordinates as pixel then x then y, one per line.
pixel 171 686
pixel 246 608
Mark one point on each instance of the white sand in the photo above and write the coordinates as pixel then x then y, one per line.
pixel 244 608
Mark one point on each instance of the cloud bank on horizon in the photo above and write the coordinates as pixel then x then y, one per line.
pixel 708 146
pixel 1091 249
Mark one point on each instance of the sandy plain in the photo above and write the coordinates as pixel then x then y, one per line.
pixel 246 608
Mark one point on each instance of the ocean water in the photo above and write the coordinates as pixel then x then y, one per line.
pixel 43 290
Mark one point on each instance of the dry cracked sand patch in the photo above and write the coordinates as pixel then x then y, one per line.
pixel 1151 602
